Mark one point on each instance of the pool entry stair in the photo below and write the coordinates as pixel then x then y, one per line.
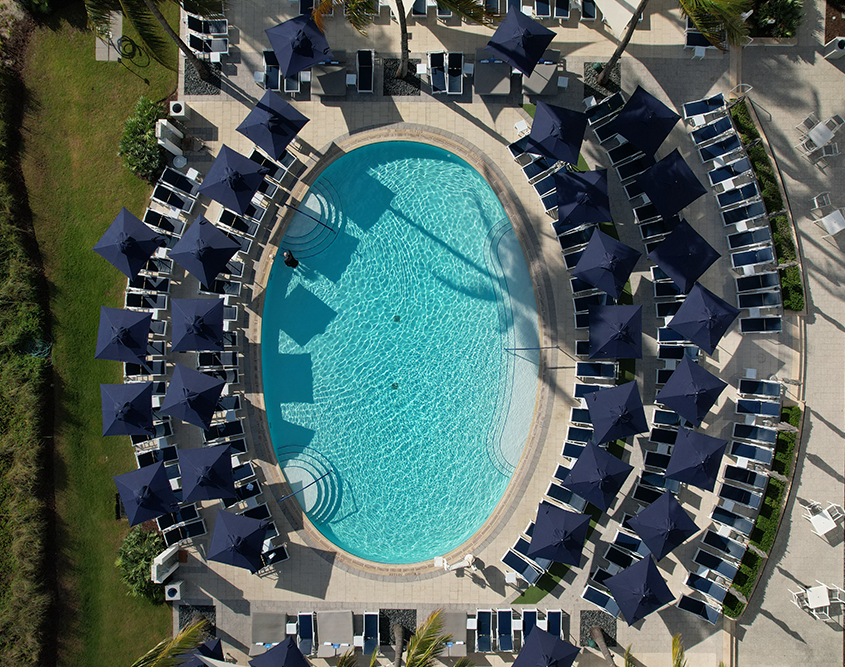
pixel 316 221
pixel 302 465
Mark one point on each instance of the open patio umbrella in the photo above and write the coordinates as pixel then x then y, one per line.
pixel 639 590
pixel 238 540
pixel 690 391
pixel 597 476
pixel 146 493
pixel 520 41
pixel 211 649
pixel 272 124
pixel 127 408
pixel 616 412
pixel 616 332
pixel 192 396
pixel 298 44
pixel 122 335
pixel 644 121
pixel 684 256
pixel 696 459
pixel 283 654
pixel 543 649
pixel 204 251
pixel 670 184
pixel 557 132
pixel 606 263
pixel 663 526
pixel 581 199
pixel 703 318
pixel 206 473
pixel 233 180
pixel 128 243
pixel 197 324
pixel 558 535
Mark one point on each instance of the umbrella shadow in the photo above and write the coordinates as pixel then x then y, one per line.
pixel 304 328
pixel 319 565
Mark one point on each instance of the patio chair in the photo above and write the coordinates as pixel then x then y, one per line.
pixel 221 288
pixel 720 149
pixel 828 150
pixel 761 325
pixel 656 462
pixel 504 630
pixel 712 131
pixel 807 124
pixel 821 202
pixel 542 9
pixel 599 370
pixel 799 599
pixel 749 238
pixel 216 360
pixel 834 123
pixel 807 147
pixel 601 600
pixel 184 533
pixel 770 409
pixel 163 223
pixel 530 618
pixel 728 171
pixel 554 622
pixel 588 10
pixel 760 388
pixel 419 8
pixel 743 194
pixel 598 114
pixel 634 168
pixel 364 62
pixel 207 27
pixel 770 299
pixel 716 564
pixel 562 9
pixel 737 522
pixel 523 569
pixel 371 641
pixel 580 416
pixel 699 608
pixel 455 73
pixel 185 514
pixel 708 587
pixel 757 282
pixel 631 544
pixel 699 109
pixel 145 302
pixel 740 496
pixel 624 153
pixel 305 632
pixel 484 631
pixel 223 430
pixel 521 547
pixel 752 258
pixel 437 71
pixel 557 495
pixel 724 545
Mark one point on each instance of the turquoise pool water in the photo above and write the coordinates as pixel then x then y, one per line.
pixel 388 361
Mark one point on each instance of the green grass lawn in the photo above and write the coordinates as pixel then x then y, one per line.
pixel 77 185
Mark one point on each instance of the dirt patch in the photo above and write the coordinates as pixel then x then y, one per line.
pixel 834 23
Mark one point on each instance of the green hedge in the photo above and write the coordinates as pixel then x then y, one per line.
pixel 732 606
pixel 748 569
pixel 766 526
pixel 785 445
pixel 776 18
pixel 138 146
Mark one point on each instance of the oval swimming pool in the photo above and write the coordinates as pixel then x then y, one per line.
pixel 389 355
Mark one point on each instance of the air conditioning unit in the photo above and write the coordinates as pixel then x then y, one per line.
pixel 180 110
pixel 173 591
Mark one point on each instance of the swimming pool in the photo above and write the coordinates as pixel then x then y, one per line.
pixel 387 355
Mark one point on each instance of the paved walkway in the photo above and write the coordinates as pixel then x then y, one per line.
pixel 792 82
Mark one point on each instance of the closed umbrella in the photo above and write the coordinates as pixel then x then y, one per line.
pixel 520 41
pixel 703 318
pixel 690 391
pixel 238 540
pixel 684 256
pixel 284 654
pixel 192 396
pixel 616 412
pixel 597 476
pixel 644 121
pixel 616 332
pixel 196 324
pixel 122 335
pixel 581 199
pixel 606 263
pixel 272 124
pixel 127 408
pixel 298 44
pixel 557 132
pixel 543 649
pixel 128 243
pixel 558 535
pixel 663 526
pixel 206 473
pixel 696 459
pixel 639 590
pixel 146 493
pixel 204 251
pixel 670 184
pixel 233 180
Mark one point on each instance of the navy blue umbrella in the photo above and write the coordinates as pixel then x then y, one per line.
pixel 597 476
pixel 684 256
pixel 204 251
pixel 210 649
pixel 670 184
pixel 558 535
pixel 272 124
pixel 703 318
pixel 128 243
pixel 581 199
pixel 616 412
pixel 644 121
pixel 233 180
pixel 146 493
pixel 616 332
pixel 543 649
pixel 122 335
pixel 520 41
pixel 690 391
pixel 664 525
pixel 283 654
pixel 298 44
pixel 127 408
pixel 557 132
pixel 606 263
pixel 696 459
pixel 196 324
pixel 639 590
pixel 238 540
pixel 192 396
pixel 206 473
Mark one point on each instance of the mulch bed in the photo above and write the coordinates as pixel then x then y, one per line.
pixel 834 23
pixel 392 86
pixel 196 86
pixel 593 89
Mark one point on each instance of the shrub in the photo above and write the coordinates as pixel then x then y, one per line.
pixel 776 18
pixel 36 7
pixel 785 446
pixel 748 569
pixel 792 288
pixel 766 526
pixel 732 606
pixel 134 559
pixel 138 146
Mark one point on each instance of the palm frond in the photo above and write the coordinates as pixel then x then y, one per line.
pixel 173 652
pixel 629 657
pixel 98 13
pixel 472 10
pixel 718 20
pixel 322 9
pixel 360 13
pixel 464 662
pixel 149 30
pixel 348 659
pixel 427 643
pixel 678 653
pixel 207 8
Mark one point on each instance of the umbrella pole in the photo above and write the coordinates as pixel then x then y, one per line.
pixel 307 215
pixel 291 495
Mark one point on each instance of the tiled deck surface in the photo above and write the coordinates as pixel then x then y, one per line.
pixel 788 83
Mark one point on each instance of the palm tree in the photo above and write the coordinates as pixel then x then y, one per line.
pixel 360 13
pixel 172 652
pixel 427 644
pixel 678 653
pixel 717 20
pixel 149 22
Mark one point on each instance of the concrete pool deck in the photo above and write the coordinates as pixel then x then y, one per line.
pixel 789 83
